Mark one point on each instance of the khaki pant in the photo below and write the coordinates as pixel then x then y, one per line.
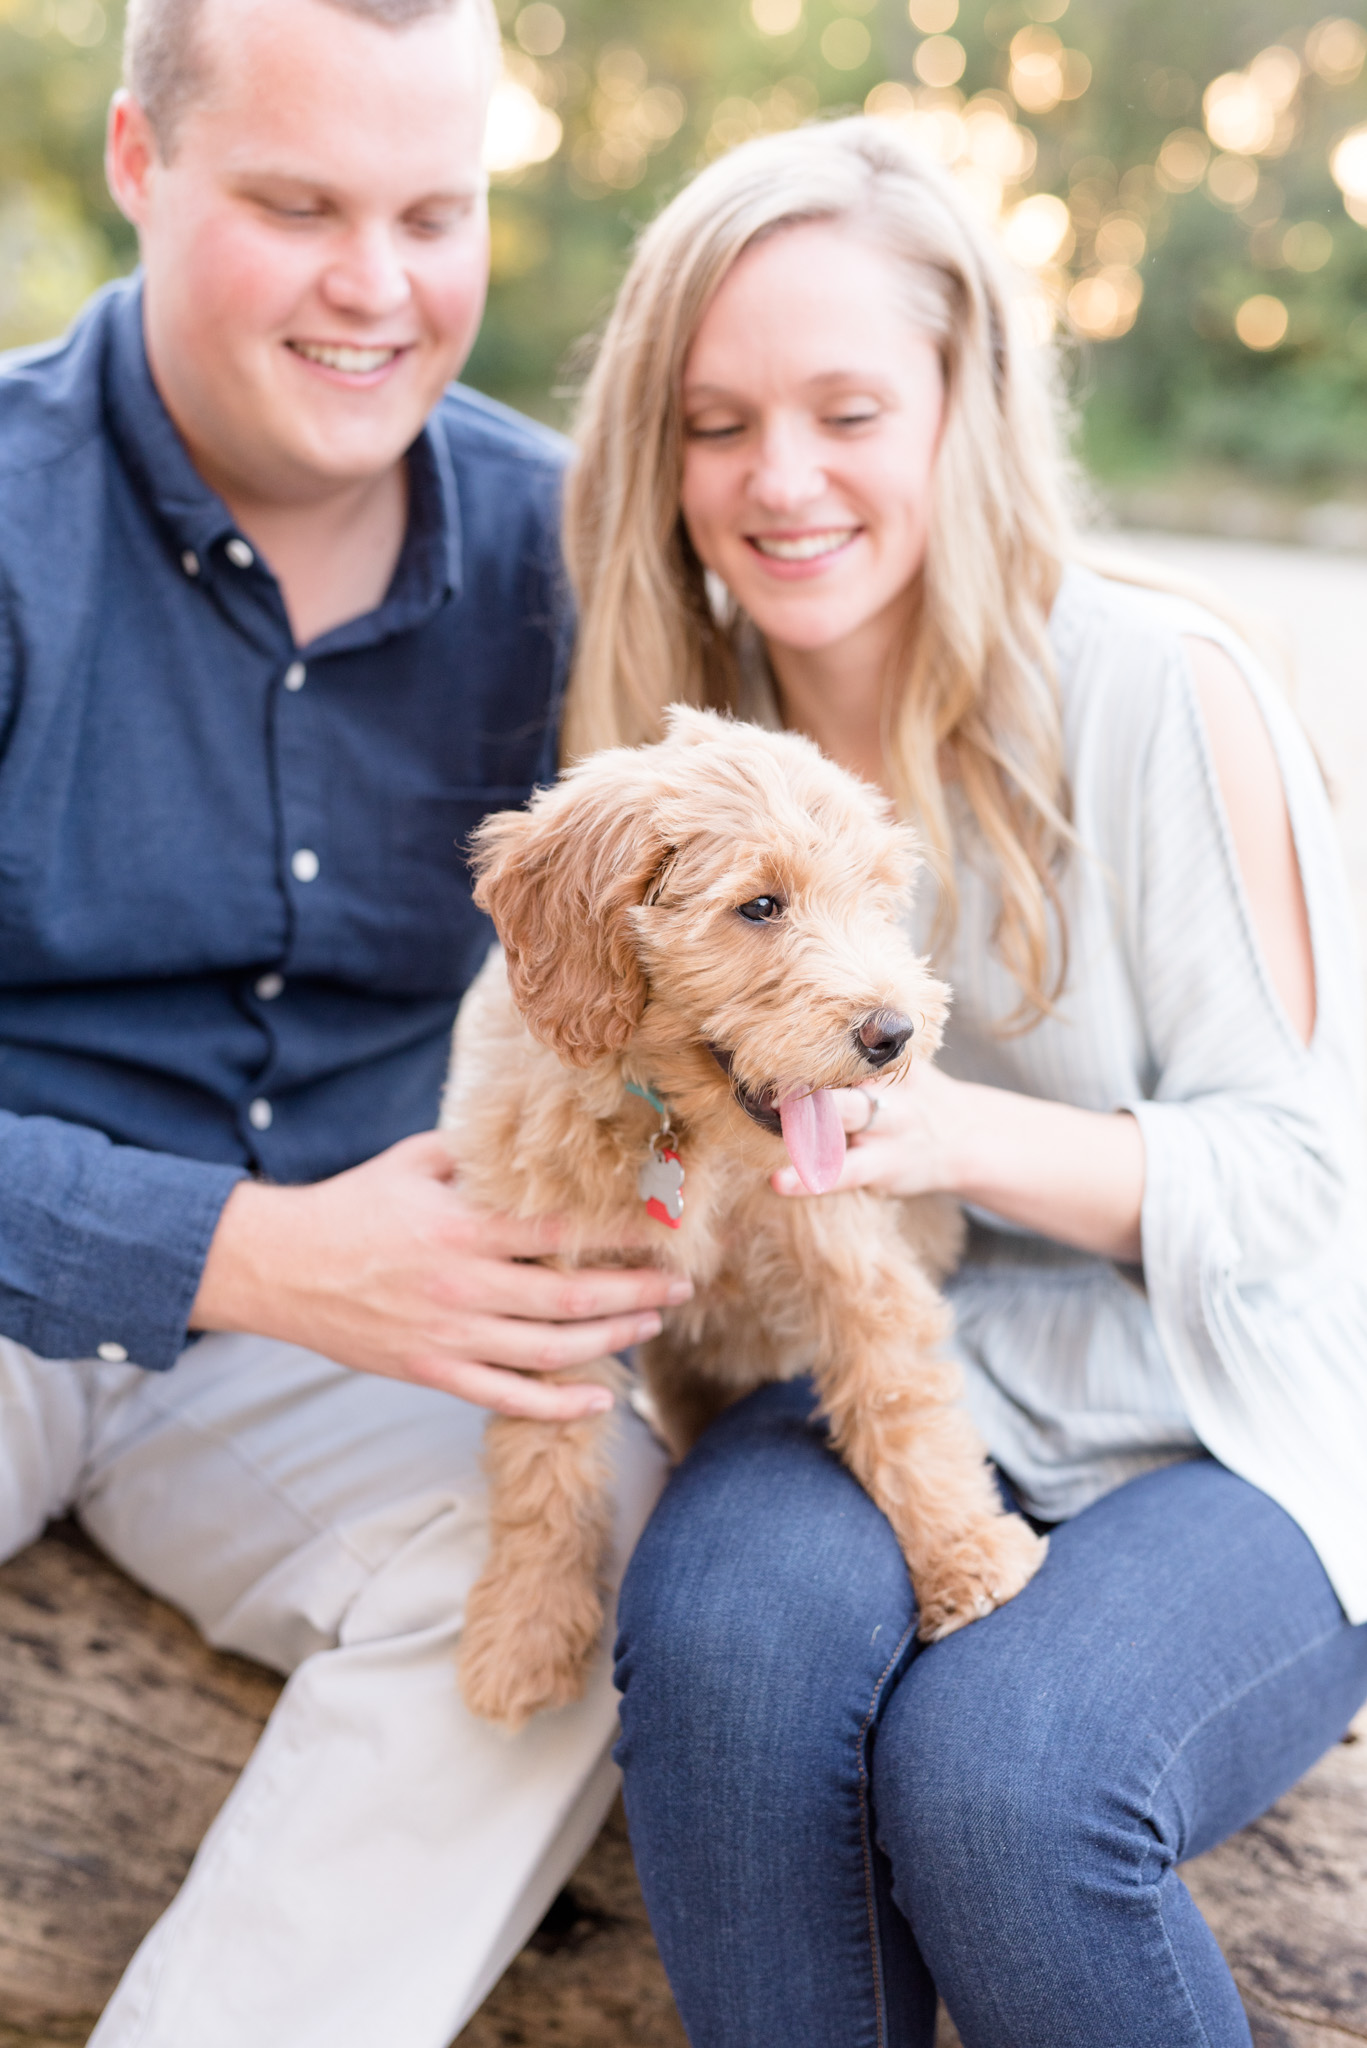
pixel 384 1855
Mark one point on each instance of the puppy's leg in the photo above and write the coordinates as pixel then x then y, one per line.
pixel 686 1398
pixel 892 1407
pixel 534 1617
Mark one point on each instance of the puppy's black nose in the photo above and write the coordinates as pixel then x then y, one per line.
pixel 882 1036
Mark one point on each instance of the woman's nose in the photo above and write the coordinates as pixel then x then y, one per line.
pixel 787 474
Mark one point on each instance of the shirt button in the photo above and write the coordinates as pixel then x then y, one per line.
pixel 189 562
pixel 260 1115
pixel 112 1354
pixel 294 676
pixel 304 866
pixel 238 553
pixel 270 986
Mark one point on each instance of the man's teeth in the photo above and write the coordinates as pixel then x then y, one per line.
pixel 804 547
pixel 355 362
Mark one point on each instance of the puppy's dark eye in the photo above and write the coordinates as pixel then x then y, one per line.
pixel 761 909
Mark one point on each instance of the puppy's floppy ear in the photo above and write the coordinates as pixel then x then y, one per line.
pixel 560 881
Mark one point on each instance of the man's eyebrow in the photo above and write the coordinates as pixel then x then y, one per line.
pixel 305 181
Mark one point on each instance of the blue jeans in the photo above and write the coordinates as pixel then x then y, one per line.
pixel 831 1821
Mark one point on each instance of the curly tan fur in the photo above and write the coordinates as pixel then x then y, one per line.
pixel 616 896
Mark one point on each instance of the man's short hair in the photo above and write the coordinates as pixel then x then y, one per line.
pixel 163 65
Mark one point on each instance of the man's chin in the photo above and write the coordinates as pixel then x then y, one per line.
pixel 334 451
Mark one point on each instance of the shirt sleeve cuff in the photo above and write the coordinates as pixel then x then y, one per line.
pixel 102 1246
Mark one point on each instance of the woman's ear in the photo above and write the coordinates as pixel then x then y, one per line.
pixel 560 881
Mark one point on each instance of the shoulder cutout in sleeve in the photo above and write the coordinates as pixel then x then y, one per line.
pixel 1260 827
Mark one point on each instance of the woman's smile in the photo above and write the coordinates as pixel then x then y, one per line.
pixel 790 555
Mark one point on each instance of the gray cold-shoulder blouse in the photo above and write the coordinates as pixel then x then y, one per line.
pixel 1246 1333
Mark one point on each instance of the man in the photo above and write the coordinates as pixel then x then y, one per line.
pixel 279 621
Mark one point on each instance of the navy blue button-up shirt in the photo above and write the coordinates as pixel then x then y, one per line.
pixel 235 920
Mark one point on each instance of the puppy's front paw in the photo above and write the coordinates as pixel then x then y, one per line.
pixel 522 1655
pixel 981 1571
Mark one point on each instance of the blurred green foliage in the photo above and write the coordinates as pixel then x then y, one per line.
pixel 1215 296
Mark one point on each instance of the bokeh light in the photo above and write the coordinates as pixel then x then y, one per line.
pixel 776 17
pixel 1182 160
pixel 1038 230
pixel 1037 69
pixel 82 22
pixel 933 17
pixel 1261 322
pixel 1238 117
pixel 1105 305
pixel 1336 49
pixel 521 131
pixel 1232 180
pixel 1348 168
pixel 846 43
pixel 540 29
pixel 1306 245
pixel 940 61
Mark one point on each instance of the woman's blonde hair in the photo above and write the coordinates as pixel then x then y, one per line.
pixel 977 697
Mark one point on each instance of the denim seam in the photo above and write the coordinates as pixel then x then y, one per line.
pixel 870 1900
pixel 1232 1699
pixel 1224 1706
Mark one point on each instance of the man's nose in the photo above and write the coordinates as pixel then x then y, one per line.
pixel 881 1036
pixel 367 278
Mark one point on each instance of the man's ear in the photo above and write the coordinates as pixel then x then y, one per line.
pixel 560 881
pixel 130 155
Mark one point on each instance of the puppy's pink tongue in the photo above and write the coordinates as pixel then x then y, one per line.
pixel 815 1138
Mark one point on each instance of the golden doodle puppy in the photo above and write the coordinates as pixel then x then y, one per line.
pixel 700 940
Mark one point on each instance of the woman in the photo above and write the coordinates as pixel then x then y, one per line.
pixel 819 484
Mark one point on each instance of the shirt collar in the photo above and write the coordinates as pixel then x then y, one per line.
pixel 153 452
pixel 199 523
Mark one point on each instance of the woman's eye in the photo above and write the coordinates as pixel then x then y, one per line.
pixel 761 909
pixel 852 419
pixel 705 431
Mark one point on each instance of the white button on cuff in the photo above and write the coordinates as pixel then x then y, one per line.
pixel 270 986
pixel 189 562
pixel 260 1115
pixel 294 676
pixel 304 866
pixel 238 553
pixel 112 1354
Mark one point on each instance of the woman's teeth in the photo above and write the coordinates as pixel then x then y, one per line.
pixel 354 362
pixel 803 547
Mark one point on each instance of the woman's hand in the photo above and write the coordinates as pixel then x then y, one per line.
pixel 901 1138
pixel 1076 1175
pixel 387 1270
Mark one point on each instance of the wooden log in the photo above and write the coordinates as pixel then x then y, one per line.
pixel 121 1734
pixel 1287 1900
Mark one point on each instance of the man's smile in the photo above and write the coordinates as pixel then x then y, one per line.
pixel 348 358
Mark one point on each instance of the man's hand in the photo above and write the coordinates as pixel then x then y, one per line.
pixel 386 1270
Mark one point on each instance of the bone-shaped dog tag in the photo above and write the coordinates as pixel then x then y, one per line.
pixel 660 1186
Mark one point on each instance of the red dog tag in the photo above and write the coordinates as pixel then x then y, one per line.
pixel 660 1185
